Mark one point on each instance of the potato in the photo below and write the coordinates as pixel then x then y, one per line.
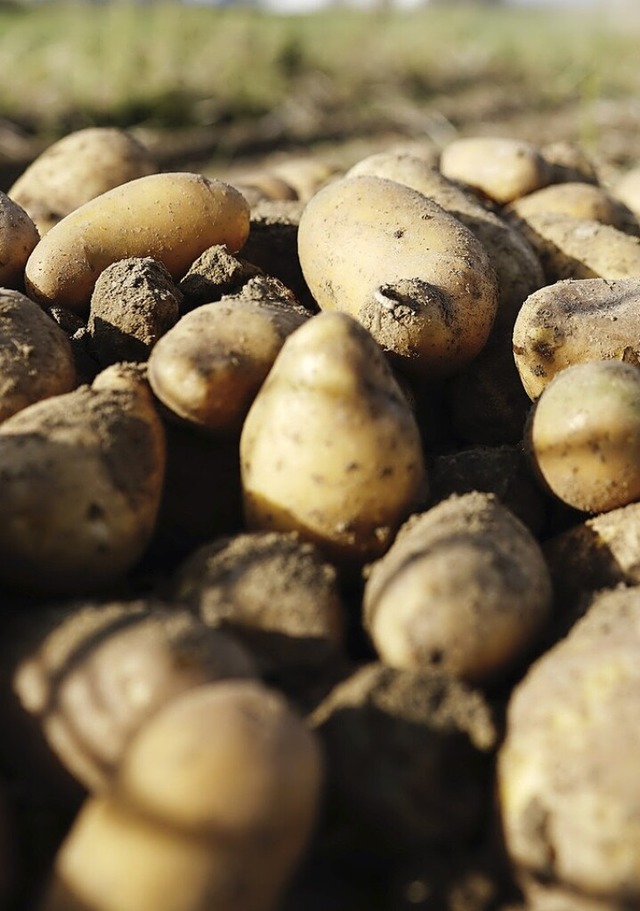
pixel 18 238
pixel 569 162
pixel 574 321
pixel 81 479
pixel 213 274
pixel 382 728
pixel 212 807
pixel 103 669
pixel 626 188
pixel 464 589
pixel 330 447
pixel 80 166
pixel 133 304
pixel 502 169
pixel 275 593
pixel 208 368
pixel 584 435
pixel 408 271
pixel 568 788
pixel 36 360
pixel 577 199
pixel 171 217
pixel 572 247
pixel 517 267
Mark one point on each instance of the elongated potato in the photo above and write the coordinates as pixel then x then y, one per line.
pixel 501 168
pixel 568 785
pixel 574 321
pixel 464 589
pixel 212 810
pixel 330 447
pixel 171 217
pixel 81 479
pixel 578 199
pixel 411 273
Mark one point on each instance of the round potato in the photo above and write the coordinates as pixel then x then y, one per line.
pixel 408 271
pixel 81 479
pixel 501 168
pixel 208 368
pixel 171 217
pixel 578 199
pixel 584 435
pixel 36 359
pixel 570 322
pixel 330 447
pixel 627 189
pixel 464 589
pixel 18 238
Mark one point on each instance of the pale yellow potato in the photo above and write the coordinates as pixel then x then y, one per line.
pixel 36 359
pixel 567 772
pixel 463 589
pixel 627 189
pixel 81 478
pixel 80 166
pixel 502 169
pixel 18 237
pixel 574 321
pixel 575 198
pixel 409 272
pixel 330 447
pixel 171 217
pixel 213 808
pixel 208 368
pixel 516 265
pixel 572 247
pixel 584 435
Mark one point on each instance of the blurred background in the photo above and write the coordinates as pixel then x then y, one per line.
pixel 216 84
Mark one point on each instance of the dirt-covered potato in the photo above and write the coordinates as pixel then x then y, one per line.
pixel 409 272
pixel 584 435
pixel 578 199
pixel 18 238
pixel 573 247
pixel 408 756
pixel 36 360
pixel 272 591
pixel 81 478
pixel 502 169
pixel 464 588
pixel 208 368
pixel 172 217
pixel 574 321
pixel 330 447
pixel 134 303
pixel 568 786
pixel 213 274
pixel 104 669
pixel 80 166
pixel 212 808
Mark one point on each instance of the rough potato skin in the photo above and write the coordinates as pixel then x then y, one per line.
pixel 464 588
pixel 36 358
pixel 567 771
pixel 574 321
pixel 134 303
pixel 411 273
pixel 213 274
pixel 18 237
pixel 81 478
pixel 172 217
pixel 330 447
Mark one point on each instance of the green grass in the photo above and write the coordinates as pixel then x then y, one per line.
pixel 67 65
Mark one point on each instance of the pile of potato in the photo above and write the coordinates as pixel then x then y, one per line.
pixel 320 533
